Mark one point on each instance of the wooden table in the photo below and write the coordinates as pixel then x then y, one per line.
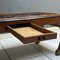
pixel 31 26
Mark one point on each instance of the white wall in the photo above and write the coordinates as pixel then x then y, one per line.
pixel 9 6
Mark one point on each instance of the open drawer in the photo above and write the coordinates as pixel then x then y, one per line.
pixel 30 32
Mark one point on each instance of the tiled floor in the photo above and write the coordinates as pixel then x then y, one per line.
pixel 13 49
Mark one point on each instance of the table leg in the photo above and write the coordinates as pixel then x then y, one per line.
pixel 58 50
pixel 37 42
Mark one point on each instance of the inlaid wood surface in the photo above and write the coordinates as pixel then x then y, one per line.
pixel 39 18
pixel 29 16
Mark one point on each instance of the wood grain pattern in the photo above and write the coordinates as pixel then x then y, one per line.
pixel 28 31
pixel 39 18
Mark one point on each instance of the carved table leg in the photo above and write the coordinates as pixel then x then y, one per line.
pixel 58 50
pixel 37 42
pixel 39 38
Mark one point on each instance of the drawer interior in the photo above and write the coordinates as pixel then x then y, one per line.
pixel 26 30
pixel 30 31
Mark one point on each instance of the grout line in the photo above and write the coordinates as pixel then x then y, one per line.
pixel 43 53
pixel 6 38
pixel 6 52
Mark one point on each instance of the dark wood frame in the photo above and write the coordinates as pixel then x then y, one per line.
pixel 53 20
pixel 47 34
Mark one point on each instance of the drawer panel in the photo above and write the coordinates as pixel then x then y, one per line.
pixel 30 32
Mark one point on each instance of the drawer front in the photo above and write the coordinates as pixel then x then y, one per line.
pixel 47 35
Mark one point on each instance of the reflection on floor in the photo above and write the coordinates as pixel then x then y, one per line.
pixel 13 49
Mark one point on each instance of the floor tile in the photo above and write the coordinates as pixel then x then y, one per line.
pixel 6 35
pixel 3 55
pixel 47 51
pixel 49 47
pixel 10 42
pixel 51 27
pixel 18 51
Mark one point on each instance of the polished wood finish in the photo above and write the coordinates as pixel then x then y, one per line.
pixel 58 50
pixel 43 33
pixel 40 19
